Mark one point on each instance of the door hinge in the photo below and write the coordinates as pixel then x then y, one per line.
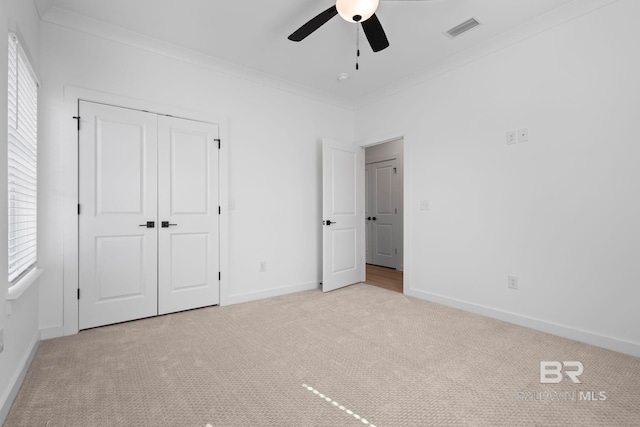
pixel 78 293
pixel 219 210
pixel 78 119
pixel 78 208
pixel 395 171
pixel 396 251
pixel 219 276
pixel 219 143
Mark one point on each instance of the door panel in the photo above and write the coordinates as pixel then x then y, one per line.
pixel 190 159
pixel 120 267
pixel 120 158
pixel 188 199
pixel 117 193
pixel 345 254
pixel 342 205
pixel 189 254
pixel 384 240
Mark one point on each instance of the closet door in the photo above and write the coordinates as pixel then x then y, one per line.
pixel 117 222
pixel 188 214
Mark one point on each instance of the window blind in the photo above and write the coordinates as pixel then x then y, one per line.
pixel 22 156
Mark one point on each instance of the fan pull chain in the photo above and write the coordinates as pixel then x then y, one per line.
pixel 357 45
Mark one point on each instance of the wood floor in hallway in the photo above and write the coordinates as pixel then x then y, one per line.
pixel 384 277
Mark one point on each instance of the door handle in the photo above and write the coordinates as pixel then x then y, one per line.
pixel 368 218
pixel 149 224
pixel 165 224
pixel 374 218
pixel 328 222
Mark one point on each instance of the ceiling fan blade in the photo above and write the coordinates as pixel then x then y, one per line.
pixel 375 34
pixel 315 23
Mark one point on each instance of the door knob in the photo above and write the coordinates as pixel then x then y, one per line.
pixel 374 218
pixel 368 218
pixel 165 224
pixel 328 222
pixel 149 224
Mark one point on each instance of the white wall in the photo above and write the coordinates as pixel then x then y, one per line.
pixel 18 319
pixel 561 211
pixel 274 158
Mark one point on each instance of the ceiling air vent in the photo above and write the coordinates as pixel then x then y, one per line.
pixel 462 28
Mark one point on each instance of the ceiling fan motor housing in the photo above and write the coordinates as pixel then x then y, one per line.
pixel 357 10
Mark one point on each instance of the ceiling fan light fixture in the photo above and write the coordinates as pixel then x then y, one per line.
pixel 356 10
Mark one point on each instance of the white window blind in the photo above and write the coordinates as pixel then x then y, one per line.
pixel 22 162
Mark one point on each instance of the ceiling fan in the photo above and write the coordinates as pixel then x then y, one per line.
pixel 357 11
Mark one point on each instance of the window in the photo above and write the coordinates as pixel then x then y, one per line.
pixel 22 162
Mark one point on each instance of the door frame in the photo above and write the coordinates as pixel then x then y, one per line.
pixel 387 158
pixel 71 97
pixel 406 202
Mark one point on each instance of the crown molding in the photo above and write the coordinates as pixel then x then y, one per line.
pixel 43 6
pixel 63 18
pixel 543 23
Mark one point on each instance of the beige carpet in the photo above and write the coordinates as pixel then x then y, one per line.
pixel 366 357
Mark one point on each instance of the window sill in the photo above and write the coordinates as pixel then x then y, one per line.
pixel 16 291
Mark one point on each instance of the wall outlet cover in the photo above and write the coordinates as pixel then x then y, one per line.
pixel 523 135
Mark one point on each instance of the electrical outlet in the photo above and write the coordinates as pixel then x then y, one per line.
pixel 1 340
pixel 263 266
pixel 512 282
pixel 523 135
pixel 511 137
pixel 424 205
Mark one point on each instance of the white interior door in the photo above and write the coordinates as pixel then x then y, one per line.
pixel 188 215
pixel 385 219
pixel 118 196
pixel 368 202
pixel 343 219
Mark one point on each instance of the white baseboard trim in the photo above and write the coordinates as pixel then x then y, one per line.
pixel 18 378
pixel 532 323
pixel 253 296
pixel 51 332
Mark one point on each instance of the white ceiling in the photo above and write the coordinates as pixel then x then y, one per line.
pixel 253 34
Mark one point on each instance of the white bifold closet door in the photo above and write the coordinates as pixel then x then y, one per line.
pixel 188 204
pixel 148 223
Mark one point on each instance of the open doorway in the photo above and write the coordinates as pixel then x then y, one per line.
pixel 384 201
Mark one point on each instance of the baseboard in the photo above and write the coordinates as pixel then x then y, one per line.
pixel 253 296
pixel 51 332
pixel 609 343
pixel 18 378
